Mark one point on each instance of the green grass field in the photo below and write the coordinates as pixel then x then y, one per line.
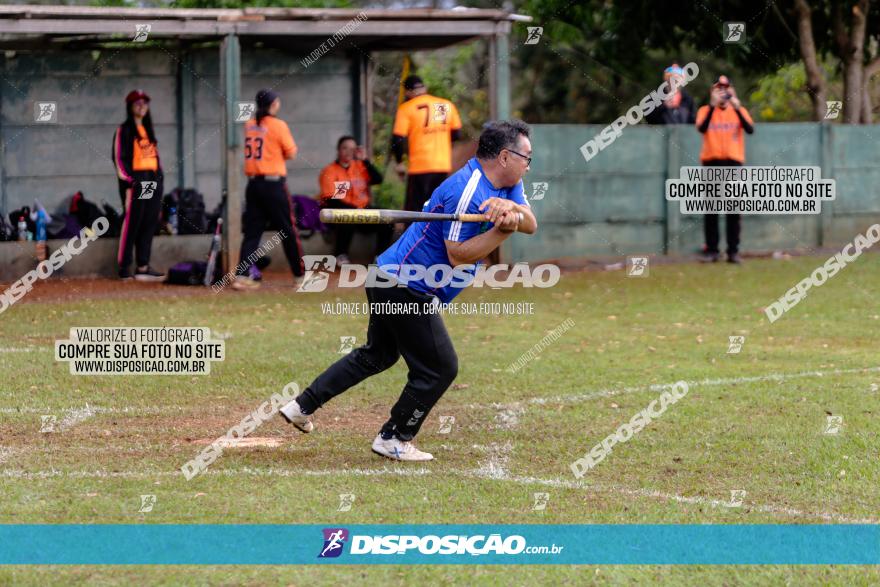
pixel 753 421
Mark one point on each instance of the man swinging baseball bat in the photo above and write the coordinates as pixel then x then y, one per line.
pixel 490 184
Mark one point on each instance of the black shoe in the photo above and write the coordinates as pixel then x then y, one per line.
pixel 709 257
pixel 149 274
pixel 125 275
pixel 734 258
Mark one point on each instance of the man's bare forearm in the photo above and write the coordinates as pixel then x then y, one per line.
pixel 477 248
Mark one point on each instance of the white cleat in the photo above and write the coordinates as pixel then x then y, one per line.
pixel 293 414
pixel 399 450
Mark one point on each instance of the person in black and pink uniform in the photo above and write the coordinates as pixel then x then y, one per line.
pixel 136 159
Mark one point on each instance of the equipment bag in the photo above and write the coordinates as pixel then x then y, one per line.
pixel 307 212
pixel 191 217
pixel 191 273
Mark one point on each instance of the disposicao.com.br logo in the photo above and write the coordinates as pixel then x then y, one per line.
pixel 431 544
pixel 319 267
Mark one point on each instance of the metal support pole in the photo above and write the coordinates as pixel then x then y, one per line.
pixel 230 80
pixel 502 75
pixel 186 121
pixel 672 214
pixel 826 162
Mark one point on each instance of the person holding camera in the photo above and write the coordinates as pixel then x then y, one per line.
pixel 722 124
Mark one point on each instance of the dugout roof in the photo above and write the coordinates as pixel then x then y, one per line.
pixel 296 28
pixel 211 58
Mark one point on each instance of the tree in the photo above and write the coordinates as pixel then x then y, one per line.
pixel 844 30
pixel 621 34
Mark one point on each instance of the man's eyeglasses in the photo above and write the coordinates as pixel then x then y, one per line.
pixel 528 159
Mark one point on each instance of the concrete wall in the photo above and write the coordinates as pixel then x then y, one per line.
pixel 99 258
pixel 615 203
pixel 317 103
pixel 51 161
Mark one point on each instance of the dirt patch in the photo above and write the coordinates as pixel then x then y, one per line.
pixel 196 426
pixel 247 442
pixel 75 289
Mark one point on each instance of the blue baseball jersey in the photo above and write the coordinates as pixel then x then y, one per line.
pixel 423 244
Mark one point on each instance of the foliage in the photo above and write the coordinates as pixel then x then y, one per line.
pixel 459 74
pixel 779 97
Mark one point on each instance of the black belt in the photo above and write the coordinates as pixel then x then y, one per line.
pixel 268 177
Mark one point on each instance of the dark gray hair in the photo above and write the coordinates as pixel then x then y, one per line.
pixel 500 134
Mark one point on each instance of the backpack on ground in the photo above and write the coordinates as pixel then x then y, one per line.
pixel 191 217
pixel 7 233
pixel 191 273
pixel 307 212
pixel 114 219
pixel 86 212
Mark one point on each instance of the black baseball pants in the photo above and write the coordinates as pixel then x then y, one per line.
pixel 419 187
pixel 142 206
pixel 732 221
pixel 267 203
pixel 422 340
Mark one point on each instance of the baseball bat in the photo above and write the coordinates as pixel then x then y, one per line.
pixel 344 216
pixel 212 256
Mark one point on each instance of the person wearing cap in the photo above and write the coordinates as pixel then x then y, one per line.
pixel 722 123
pixel 345 183
pixel 268 144
pixel 136 158
pixel 425 126
pixel 678 108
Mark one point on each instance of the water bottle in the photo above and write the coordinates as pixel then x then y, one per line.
pixel 172 219
pixel 41 235
pixel 41 226
pixel 22 229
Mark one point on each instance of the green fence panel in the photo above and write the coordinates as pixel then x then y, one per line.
pixel 614 204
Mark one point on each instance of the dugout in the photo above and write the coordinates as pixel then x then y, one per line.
pixel 197 64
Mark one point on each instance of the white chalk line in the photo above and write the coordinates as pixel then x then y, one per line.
pixel 71 418
pixel 494 470
pixel 495 467
pixel 244 471
pixel 136 410
pixel 692 500
pixel 74 416
pixel 581 397
pixel 508 416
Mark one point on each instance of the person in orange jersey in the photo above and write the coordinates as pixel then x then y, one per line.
pixel 136 158
pixel 268 145
pixel 345 183
pixel 722 124
pixel 426 126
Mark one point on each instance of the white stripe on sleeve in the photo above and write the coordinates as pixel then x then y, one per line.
pixel 463 202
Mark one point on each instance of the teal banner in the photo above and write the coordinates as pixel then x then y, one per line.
pixel 131 544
